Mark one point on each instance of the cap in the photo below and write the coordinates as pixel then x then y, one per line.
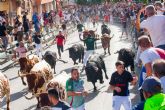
pixel 150 83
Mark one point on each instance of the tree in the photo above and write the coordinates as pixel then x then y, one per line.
pixel 84 2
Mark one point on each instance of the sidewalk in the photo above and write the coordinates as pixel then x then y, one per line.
pixel 6 60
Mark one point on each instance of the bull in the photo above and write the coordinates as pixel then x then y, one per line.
pixel 38 78
pixel 4 88
pixel 30 62
pixel 58 83
pixel 127 56
pixel 51 58
pixel 92 33
pixel 105 40
pixel 105 30
pixel 76 52
pixel 93 69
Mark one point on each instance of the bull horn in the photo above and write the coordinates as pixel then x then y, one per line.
pixel 21 75
pixel 113 36
pixel 66 49
pixel 116 52
pixel 29 98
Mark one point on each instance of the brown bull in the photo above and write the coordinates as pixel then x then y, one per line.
pixel 29 63
pixel 58 83
pixel 105 40
pixel 4 89
pixel 38 78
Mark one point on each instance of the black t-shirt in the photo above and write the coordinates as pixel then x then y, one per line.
pixel 61 105
pixel 37 39
pixel 2 30
pixel 121 81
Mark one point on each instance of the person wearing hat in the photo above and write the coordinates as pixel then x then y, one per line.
pixel 60 40
pixel 57 104
pixel 155 99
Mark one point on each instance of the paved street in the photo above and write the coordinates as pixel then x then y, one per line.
pixel 99 100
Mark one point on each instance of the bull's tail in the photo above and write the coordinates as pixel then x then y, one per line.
pixel 62 60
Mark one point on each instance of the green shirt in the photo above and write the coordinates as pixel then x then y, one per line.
pixel 76 86
pixel 156 102
pixel 90 43
pixel 80 27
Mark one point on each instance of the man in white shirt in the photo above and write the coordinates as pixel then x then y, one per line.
pixel 159 71
pixel 149 54
pixel 155 25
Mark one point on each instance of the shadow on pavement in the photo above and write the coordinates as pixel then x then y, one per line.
pixel 13 78
pixel 68 70
pixel 91 96
pixel 34 107
pixel 14 97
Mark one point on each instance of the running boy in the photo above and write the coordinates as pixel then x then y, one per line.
pixel 119 84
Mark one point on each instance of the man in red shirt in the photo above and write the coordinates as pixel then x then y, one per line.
pixel 60 40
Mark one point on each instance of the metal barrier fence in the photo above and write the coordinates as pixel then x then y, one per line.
pixel 46 38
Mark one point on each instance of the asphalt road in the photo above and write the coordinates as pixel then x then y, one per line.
pixel 99 100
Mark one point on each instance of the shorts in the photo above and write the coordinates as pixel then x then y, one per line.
pixel 124 25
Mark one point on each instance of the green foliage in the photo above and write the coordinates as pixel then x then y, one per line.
pixel 85 2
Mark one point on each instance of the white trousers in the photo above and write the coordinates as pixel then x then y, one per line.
pixel 121 100
pixel 38 49
pixel 82 107
pixel 87 55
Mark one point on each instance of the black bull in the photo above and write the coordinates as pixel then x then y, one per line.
pixel 51 58
pixel 93 69
pixel 76 52
pixel 106 31
pixel 127 56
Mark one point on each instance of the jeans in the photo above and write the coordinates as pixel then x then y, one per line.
pixel 60 49
pixel 4 41
pixel 38 49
